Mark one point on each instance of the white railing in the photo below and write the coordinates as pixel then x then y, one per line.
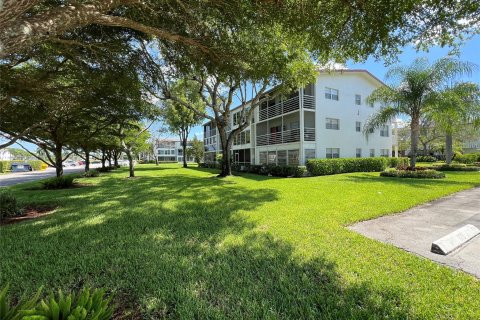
pixel 278 137
pixel 309 134
pixel 308 102
pixel 280 108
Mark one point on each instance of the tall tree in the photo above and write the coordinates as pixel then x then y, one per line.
pixel 457 107
pixel 179 118
pixel 413 92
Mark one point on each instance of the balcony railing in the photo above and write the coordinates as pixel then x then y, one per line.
pixel 309 134
pixel 308 102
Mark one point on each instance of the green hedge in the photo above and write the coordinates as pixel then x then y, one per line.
pixel 421 174
pixel 321 167
pixel 426 159
pixel 398 162
pixel 454 167
pixel 467 158
pixel 5 166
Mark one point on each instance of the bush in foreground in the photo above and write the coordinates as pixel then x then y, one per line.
pixel 62 182
pixel 8 206
pixel 420 174
pixel 88 305
pixel 467 158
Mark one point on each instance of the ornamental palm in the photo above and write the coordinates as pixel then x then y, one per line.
pixel 457 108
pixel 412 92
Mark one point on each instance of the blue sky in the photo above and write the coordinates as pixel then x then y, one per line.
pixel 469 51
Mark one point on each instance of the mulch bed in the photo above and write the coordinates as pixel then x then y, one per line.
pixel 30 212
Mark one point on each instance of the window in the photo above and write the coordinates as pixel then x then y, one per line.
pixel 371 105
pixel 282 158
pixel 293 157
pixel 263 157
pixel 358 99
pixel 358 153
pixel 272 157
pixel 236 118
pixel 358 126
pixel 384 131
pixel 309 154
pixel 372 153
pixel 333 153
pixel 247 136
pixel 332 124
pixel 331 94
pixel 371 130
pixel 309 90
pixel 384 152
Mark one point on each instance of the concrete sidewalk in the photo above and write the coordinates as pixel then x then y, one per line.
pixel 414 230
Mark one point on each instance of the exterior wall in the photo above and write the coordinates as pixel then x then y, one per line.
pixel 170 150
pixel 348 113
pixel 6 155
pixel 304 129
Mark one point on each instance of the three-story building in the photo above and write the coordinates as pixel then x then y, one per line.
pixel 323 120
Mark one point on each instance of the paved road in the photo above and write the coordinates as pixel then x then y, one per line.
pixel 414 230
pixel 10 179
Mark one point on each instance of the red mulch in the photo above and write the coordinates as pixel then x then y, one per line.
pixel 31 212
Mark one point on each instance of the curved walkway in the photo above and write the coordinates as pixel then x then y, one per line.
pixel 414 230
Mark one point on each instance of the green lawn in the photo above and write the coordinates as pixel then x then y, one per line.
pixel 181 243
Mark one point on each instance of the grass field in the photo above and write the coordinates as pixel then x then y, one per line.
pixel 181 243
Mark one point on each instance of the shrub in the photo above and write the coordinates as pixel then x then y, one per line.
pixel 467 158
pixel 299 171
pixel 8 205
pixel 61 182
pixel 426 159
pixel 36 164
pixel 88 305
pixel 397 162
pixel 257 169
pixel 91 173
pixel 5 166
pixel 13 312
pixel 320 167
pixel 105 169
pixel 454 167
pixel 420 174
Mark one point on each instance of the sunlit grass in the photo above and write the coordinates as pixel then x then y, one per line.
pixel 181 243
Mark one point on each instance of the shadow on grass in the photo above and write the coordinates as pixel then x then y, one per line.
pixel 180 247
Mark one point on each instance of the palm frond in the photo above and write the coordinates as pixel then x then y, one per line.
pixel 379 119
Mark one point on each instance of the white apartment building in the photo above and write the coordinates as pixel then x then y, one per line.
pixel 171 151
pixel 323 120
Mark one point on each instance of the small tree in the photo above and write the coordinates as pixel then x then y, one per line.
pixel 134 140
pixel 180 118
pixel 196 150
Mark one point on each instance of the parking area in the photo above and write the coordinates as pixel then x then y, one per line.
pixel 414 230
pixel 10 179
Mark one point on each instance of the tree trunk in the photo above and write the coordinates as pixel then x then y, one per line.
pixel 130 164
pixel 225 141
pixel 87 161
pixel 115 158
pixel 184 148
pixel 58 161
pixel 448 148
pixel 110 161
pixel 414 136
pixel 103 159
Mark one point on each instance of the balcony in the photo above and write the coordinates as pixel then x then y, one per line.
pixel 287 136
pixel 287 106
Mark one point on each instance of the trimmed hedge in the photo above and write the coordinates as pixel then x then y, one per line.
pixel 421 174
pixel 5 165
pixel 398 162
pixel 467 158
pixel 321 167
pixel 8 204
pixel 426 159
pixel 61 182
pixel 454 167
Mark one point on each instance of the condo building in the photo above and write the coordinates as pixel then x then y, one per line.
pixel 323 120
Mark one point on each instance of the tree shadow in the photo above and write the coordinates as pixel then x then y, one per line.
pixel 180 247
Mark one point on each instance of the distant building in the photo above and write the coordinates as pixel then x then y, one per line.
pixel 5 154
pixel 471 146
pixel 171 151
pixel 323 120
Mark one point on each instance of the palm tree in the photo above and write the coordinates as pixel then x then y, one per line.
pixel 457 108
pixel 414 89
